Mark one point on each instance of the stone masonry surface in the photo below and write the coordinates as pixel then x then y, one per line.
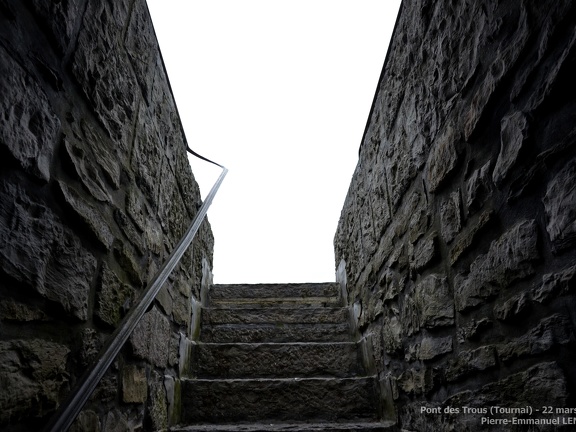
pixel 458 232
pixel 95 190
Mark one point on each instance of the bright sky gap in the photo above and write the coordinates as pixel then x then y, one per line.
pixel 279 92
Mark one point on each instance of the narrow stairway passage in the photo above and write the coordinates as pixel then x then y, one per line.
pixel 278 357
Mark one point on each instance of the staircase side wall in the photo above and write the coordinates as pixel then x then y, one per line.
pixel 458 232
pixel 95 190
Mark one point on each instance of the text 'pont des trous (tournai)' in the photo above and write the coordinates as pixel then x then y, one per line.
pixel 498 415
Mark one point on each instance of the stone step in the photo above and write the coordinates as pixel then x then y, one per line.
pixel 292 427
pixel 272 360
pixel 271 315
pixel 279 400
pixel 262 295
pixel 253 333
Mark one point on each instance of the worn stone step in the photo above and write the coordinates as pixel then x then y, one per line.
pixel 262 295
pixel 252 333
pixel 280 400
pixel 309 315
pixel 267 360
pixel 292 427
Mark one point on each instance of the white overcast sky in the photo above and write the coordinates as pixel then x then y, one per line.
pixel 279 92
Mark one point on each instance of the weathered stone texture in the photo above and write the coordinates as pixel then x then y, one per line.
pixel 468 278
pixel 134 384
pixel 38 251
pixel 28 125
pixel 151 338
pixel 560 207
pixel 32 375
pixel 95 189
pixel 435 302
pixel 508 259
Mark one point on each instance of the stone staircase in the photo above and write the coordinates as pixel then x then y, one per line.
pixel 278 357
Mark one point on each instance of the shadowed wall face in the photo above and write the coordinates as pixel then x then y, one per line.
pixel 458 229
pixel 95 190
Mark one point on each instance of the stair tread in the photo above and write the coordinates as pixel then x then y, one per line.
pixel 286 302
pixel 281 379
pixel 281 427
pixel 296 343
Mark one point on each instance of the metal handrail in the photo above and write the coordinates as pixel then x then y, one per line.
pixel 85 386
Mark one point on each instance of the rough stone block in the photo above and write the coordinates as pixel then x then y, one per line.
pixel 435 302
pixel 99 151
pixel 410 317
pixel 87 171
pixel 141 46
pixel 103 71
pixel 87 421
pixel 538 386
pixel 513 38
pixel 478 187
pixel 550 332
pixel 443 158
pixel 450 217
pixel 424 252
pixel 89 213
pixel 473 329
pixel 512 308
pixel 392 335
pixel 107 389
pixel 432 347
pixel 162 109
pixel 90 345
pixel 392 282
pixel 116 421
pixel 514 129
pixel 132 234
pixel 28 126
pixel 508 259
pixel 134 384
pixel 137 208
pixel 465 240
pixel 30 371
pixel 148 157
pixel 39 251
pixel 12 310
pixel 151 338
pixel 400 169
pixel 60 18
pixel 113 298
pixel 416 381
pixel 471 361
pixel 182 310
pixel 555 284
pixel 560 208
pixel 133 267
pixel 157 408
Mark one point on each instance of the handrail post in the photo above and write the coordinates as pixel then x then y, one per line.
pixel 86 385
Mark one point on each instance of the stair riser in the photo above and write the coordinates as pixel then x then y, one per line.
pixel 275 333
pixel 274 315
pixel 278 400
pixel 275 360
pixel 265 291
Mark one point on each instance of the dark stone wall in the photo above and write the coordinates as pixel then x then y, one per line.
pixel 95 190
pixel 457 237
